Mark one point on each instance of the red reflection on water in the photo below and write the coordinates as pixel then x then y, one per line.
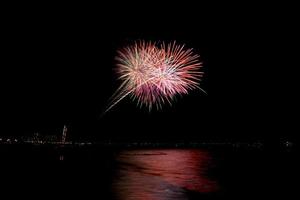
pixel 163 174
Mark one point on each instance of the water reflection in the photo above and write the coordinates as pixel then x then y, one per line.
pixel 162 174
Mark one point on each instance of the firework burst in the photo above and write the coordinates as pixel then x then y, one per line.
pixel 153 74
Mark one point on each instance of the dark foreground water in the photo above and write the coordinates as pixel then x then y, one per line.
pixel 143 174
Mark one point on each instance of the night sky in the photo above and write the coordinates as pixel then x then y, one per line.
pixel 58 69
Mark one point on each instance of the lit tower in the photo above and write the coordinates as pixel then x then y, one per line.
pixel 64 134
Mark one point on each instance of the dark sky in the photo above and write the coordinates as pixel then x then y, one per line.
pixel 58 69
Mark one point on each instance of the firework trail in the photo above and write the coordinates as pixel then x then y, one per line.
pixel 153 74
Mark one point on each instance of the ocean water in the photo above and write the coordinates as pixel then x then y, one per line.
pixel 140 173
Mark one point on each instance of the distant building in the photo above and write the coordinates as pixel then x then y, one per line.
pixel 64 134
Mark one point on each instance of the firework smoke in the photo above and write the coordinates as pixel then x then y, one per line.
pixel 153 74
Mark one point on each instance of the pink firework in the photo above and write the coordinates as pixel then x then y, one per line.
pixel 154 74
